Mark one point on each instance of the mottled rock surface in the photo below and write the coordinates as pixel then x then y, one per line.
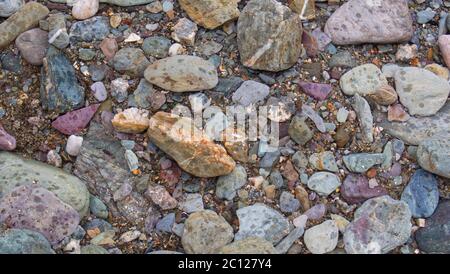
pixel 211 13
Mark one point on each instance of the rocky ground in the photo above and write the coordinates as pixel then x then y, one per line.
pixel 358 89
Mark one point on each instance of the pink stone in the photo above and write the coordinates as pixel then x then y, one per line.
pixel 444 45
pixel 33 45
pixel 7 141
pixel 355 189
pixel 84 9
pixel 316 212
pixel 160 196
pixel 109 47
pixel 316 90
pixel 397 113
pixel 75 121
pixel 322 38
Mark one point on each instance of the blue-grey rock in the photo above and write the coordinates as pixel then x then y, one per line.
pixel 166 223
pixel 229 85
pixel 421 194
pixel 270 159
pixel 433 154
pixel 24 241
pixel 98 208
pixel 11 62
pixel 288 202
pixel 157 46
pixel 425 16
pixel 100 224
pixel 435 236
pixel 93 29
pixel 141 96
pixel 93 249
pixel 362 162
pixel 60 90
pixel 131 61
pixel 276 179
pixel 287 242
pixel 324 183
pixel 227 185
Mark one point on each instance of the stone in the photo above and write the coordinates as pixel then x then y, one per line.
pixel 250 92
pixel 98 208
pixel 109 48
pixel 322 238
pixel 119 89
pixel 421 194
pixel 280 109
pixel 156 46
pixel 25 18
pixel 379 225
pixel 324 161
pixel 316 212
pixel 191 202
pixel 193 151
pixel 93 249
pixel 299 131
pixel 439 70
pixel 342 115
pixel 86 54
pixel 205 232
pixel 435 236
pixel 305 8
pixel 60 90
pixel 131 120
pixel 75 121
pixel 142 95
pixel 444 46
pixel 317 91
pixel 385 95
pixel 425 16
pixel 184 31
pixel 269 36
pixel 57 32
pixel 211 13
pixel 104 238
pixel 84 9
pixel 364 113
pixel 73 145
pixel 166 223
pixel 362 162
pixel 160 196
pixel 182 73
pixel 396 113
pixel 16 171
pixel 288 202
pixel 261 221
pixel 359 22
pixel 433 154
pixel 342 59
pixel 99 91
pixel 324 183
pixel 59 221
pixel 24 241
pixel 33 45
pixel 131 61
pixel 250 245
pixel 421 91
pixel 7 141
pixel 9 7
pixel 227 185
pixel 270 159
pixel 93 29
pixel 363 80
pixel 356 189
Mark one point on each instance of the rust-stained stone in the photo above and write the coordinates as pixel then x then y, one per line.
pixel 211 13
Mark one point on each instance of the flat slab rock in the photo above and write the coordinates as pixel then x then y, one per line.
pixel 194 152
pixel 370 21
pixel 182 73
pixel 35 208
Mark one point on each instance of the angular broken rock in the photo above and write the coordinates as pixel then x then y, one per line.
pixel 182 73
pixel 211 13
pixel 370 21
pixel 194 152
pixel 131 120
pixel 269 36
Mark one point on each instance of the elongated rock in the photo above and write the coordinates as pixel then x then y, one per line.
pixel 211 13
pixel 74 122
pixel 182 73
pixel 24 19
pixel 188 146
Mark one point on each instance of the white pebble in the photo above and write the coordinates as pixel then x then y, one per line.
pixel 73 145
pixel 175 49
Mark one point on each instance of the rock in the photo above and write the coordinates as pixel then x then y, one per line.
pixel 317 91
pixel 343 59
pixel 93 29
pixel 73 145
pixel 109 48
pixel 182 73
pixel 84 9
pixel 131 120
pixel 211 13
pixel 250 92
pixel 160 196
pixel 129 236
pixel 356 189
pixel 396 113
pixel 24 241
pixel 302 195
pixel 362 162
pixel 365 117
pixel 205 232
pixel 16 171
pixel 57 35
pixel 33 45
pixel 362 80
pixel 269 36
pixel 385 95
pixel 324 161
pixel 184 31
pixel 280 109
pixel 439 70
pixel 433 154
pixel 270 159
pixel 316 212
pixel 192 202
pixel 322 238
pixel 287 242
pixel 7 141
pixel 416 130
pixel 9 7
pixel 380 225
pixel 299 131
pixel 60 220
pixel 406 52
pixel 229 85
pixel 166 223
pixel 157 46
pixel 25 18
pixel 227 185
pixel 421 194
pixel 324 183
pixel 306 9
pixel 421 91
pixel 93 249
pixel 142 95
pixel 119 89
pixel 435 236
pixel 358 22
pixel 75 121
pixel 288 202
pixel 98 208
pixel 444 46
pixel 194 153
pixel 341 222
pixel 131 61
pixel 86 54
pixel 60 90
pixel 104 238
pixel 261 221
pixel 342 136
pixel 424 16
pixel 99 91
pixel 250 245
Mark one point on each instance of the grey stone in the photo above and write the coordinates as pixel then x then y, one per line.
pixel 421 194
pixel 363 80
pixel 131 61
pixel 324 183
pixel 433 154
pixel 227 185
pixel 365 117
pixel 24 241
pixel 93 29
pixel 362 162
pixel 250 92
pixel 299 131
pixel 322 238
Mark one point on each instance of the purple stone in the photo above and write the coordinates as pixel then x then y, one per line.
pixel 355 189
pixel 316 212
pixel 322 38
pixel 7 141
pixel 74 122
pixel 310 44
pixel 315 90
pixel 35 208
